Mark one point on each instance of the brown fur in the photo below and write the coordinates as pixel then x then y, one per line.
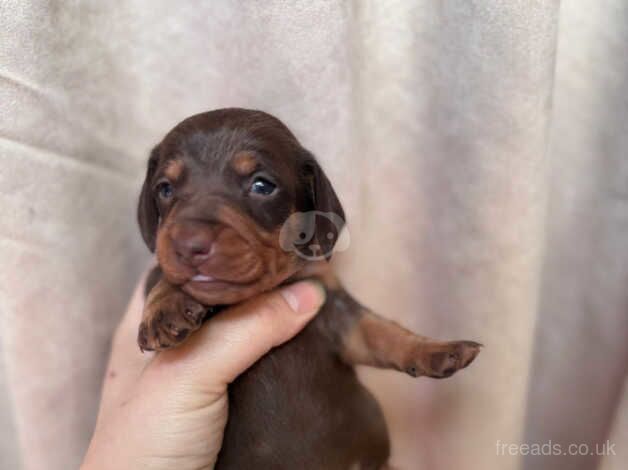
pixel 301 405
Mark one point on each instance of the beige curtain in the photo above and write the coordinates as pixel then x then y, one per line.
pixel 480 149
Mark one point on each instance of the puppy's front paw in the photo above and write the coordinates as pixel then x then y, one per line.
pixel 441 360
pixel 168 319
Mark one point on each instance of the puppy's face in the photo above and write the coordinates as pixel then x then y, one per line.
pixel 219 189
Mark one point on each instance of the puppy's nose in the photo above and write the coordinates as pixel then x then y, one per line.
pixel 192 242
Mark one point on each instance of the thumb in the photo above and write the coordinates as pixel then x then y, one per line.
pixel 236 338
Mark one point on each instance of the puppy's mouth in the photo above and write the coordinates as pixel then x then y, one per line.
pixel 202 278
pixel 210 290
pixel 228 276
pixel 206 281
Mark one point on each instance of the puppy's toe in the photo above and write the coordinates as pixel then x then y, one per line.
pixel 151 338
pixel 142 338
pixel 194 313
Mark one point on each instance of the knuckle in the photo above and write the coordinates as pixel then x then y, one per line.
pixel 274 309
pixel 271 307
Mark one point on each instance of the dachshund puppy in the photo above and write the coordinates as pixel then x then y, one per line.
pixel 234 206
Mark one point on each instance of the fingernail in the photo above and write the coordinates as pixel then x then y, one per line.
pixel 304 297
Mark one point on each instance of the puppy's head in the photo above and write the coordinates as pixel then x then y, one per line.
pixel 222 200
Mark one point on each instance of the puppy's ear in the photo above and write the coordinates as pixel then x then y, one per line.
pixel 321 197
pixel 147 212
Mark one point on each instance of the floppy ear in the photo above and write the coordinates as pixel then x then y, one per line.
pixel 147 212
pixel 321 197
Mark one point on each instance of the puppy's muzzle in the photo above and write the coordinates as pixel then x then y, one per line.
pixel 192 241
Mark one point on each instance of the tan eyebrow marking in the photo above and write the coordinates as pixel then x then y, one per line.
pixel 244 163
pixel 174 169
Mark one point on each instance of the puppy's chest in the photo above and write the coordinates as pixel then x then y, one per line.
pixel 309 364
pixel 301 401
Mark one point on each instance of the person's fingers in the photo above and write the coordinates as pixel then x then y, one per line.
pixel 126 361
pixel 233 340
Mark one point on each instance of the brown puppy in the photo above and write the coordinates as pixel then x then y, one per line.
pixel 234 206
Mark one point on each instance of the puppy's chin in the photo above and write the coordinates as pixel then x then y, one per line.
pixel 216 292
pixel 220 292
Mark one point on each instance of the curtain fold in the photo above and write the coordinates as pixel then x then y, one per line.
pixel 581 349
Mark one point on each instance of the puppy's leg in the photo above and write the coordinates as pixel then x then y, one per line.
pixel 375 341
pixel 169 316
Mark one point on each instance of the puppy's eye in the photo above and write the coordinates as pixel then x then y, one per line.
pixel 262 186
pixel 165 190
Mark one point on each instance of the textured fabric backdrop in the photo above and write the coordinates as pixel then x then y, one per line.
pixel 480 149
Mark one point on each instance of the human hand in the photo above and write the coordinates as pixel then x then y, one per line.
pixel 169 410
